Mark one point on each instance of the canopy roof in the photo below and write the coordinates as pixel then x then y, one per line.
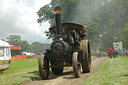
pixel 69 26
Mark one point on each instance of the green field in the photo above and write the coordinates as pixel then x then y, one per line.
pixel 111 72
pixel 19 72
pixel 22 65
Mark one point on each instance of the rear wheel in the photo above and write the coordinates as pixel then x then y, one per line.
pixel 76 65
pixel 43 67
pixel 86 60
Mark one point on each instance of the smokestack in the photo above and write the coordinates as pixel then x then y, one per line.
pixel 57 12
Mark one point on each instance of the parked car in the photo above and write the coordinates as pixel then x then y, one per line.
pixel 5 56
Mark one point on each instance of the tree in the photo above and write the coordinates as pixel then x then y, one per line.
pixel 37 47
pixel 114 16
pixel 125 36
pixel 14 40
pixel 46 12
pixel 46 46
pixel 72 12
pixel 25 46
pixel 102 17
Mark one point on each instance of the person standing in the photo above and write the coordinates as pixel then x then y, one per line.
pixel 99 53
pixel 116 52
pixel 110 52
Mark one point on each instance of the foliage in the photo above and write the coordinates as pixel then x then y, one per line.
pixel 47 13
pixel 102 17
pixel 36 47
pixel 104 54
pixel 72 9
pixel 46 46
pixel 50 35
pixel 25 46
pixel 14 40
pixel 125 37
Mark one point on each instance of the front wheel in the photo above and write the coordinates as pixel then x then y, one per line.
pixel 43 67
pixel 76 65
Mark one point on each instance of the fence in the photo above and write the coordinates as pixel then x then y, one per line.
pixel 22 57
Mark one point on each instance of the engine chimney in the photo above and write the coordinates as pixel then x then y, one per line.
pixel 57 12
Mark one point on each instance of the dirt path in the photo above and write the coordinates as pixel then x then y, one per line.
pixel 68 77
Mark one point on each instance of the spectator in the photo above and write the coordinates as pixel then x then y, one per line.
pixel 116 52
pixel 124 52
pixel 110 52
pixel 98 53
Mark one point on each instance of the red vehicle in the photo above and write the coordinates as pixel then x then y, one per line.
pixel 15 50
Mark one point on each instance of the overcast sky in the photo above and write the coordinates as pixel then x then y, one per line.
pixel 18 17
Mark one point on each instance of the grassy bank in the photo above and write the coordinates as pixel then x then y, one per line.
pixel 111 72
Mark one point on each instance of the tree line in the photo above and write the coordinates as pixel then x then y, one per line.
pixel 106 20
pixel 35 47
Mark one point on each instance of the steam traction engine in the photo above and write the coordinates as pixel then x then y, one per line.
pixel 68 49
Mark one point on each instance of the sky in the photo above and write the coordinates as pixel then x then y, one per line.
pixel 18 17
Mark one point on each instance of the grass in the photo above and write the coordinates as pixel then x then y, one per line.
pixel 22 65
pixel 111 72
pixel 19 72
pixel 17 79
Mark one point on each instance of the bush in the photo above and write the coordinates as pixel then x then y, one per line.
pixel 104 54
